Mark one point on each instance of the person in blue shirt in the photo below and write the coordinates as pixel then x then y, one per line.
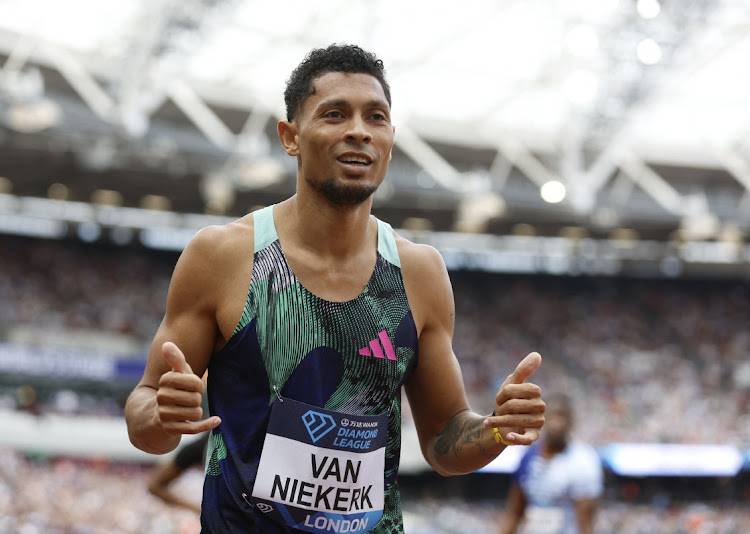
pixel 558 482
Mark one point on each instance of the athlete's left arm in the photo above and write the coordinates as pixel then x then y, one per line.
pixel 454 439
pixel 587 487
pixel 585 512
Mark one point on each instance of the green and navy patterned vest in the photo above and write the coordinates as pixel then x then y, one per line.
pixel 352 357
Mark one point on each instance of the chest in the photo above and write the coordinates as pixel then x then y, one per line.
pixel 547 481
pixel 334 281
pixel 366 342
pixel 289 312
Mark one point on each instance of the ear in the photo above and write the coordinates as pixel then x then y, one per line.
pixel 288 137
pixel 390 153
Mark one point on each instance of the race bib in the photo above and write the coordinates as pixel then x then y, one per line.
pixel 322 471
pixel 543 520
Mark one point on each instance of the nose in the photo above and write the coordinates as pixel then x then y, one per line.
pixel 357 131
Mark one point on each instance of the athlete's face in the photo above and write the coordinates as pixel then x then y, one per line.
pixel 342 137
pixel 557 425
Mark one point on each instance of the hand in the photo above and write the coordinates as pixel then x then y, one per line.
pixel 180 396
pixel 519 408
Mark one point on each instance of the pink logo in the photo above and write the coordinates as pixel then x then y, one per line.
pixel 375 349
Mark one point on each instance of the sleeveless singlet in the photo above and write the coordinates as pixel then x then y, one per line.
pixel 350 357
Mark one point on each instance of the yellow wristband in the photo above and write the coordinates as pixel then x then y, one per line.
pixel 499 437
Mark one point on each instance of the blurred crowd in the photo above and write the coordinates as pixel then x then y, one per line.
pixel 63 496
pixel 646 360
pixel 461 516
pixel 59 286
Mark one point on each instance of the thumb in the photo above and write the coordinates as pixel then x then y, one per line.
pixel 175 358
pixel 524 369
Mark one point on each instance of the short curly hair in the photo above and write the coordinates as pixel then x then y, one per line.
pixel 334 58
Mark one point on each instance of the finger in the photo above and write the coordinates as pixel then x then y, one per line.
pixel 189 427
pixel 169 414
pixel 526 438
pixel 172 394
pixel 518 414
pixel 175 358
pixel 513 401
pixel 524 369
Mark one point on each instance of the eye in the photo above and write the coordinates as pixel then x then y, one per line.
pixel 334 114
pixel 378 116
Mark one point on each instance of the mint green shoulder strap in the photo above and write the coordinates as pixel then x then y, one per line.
pixel 387 243
pixel 265 229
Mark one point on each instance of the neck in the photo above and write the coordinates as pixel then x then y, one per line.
pixel 328 230
pixel 550 449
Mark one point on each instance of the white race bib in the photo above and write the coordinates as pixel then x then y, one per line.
pixel 544 520
pixel 322 471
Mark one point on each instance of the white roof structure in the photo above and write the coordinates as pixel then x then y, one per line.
pixel 638 112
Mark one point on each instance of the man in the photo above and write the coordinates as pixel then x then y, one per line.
pixel 310 315
pixel 558 481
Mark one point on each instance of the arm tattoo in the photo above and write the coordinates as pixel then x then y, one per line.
pixel 462 431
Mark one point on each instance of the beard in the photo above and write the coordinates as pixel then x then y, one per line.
pixel 343 194
pixel 557 442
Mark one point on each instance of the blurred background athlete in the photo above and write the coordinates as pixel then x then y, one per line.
pixel 556 488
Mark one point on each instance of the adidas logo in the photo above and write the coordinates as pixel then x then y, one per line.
pixel 380 347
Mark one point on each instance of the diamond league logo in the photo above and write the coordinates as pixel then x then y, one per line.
pixel 318 424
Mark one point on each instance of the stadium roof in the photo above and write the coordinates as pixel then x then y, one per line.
pixel 639 109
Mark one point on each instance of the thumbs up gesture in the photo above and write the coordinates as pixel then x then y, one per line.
pixel 519 408
pixel 179 396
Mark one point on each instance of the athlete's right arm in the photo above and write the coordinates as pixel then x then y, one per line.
pixel 159 485
pixel 166 403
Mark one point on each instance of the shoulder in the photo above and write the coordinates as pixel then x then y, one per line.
pixel 212 253
pixel 217 246
pixel 585 468
pixel 527 454
pixel 428 286
pixel 219 240
pixel 580 449
pixel 583 456
pixel 418 257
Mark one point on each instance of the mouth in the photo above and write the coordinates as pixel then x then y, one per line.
pixel 361 161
